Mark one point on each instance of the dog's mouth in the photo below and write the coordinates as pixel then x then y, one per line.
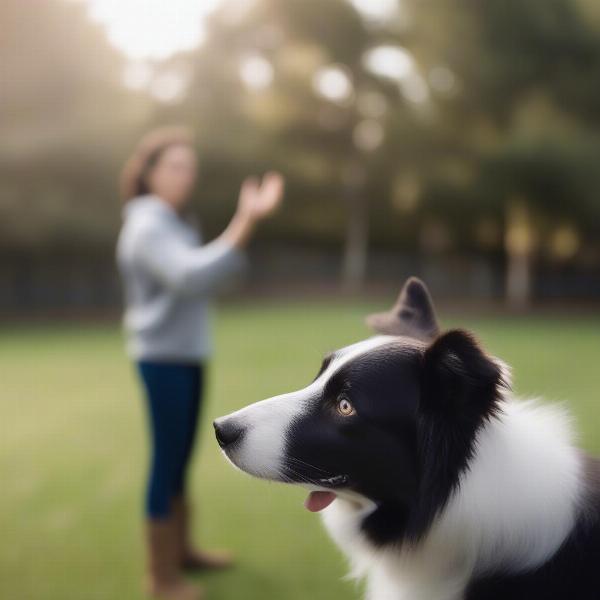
pixel 319 500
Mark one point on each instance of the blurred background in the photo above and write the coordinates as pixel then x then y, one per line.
pixel 459 141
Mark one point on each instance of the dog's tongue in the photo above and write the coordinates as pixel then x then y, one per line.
pixel 317 501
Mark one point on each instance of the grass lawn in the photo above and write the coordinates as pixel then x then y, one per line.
pixel 73 448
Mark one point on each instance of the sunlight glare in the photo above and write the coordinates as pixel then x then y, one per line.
pixel 256 72
pixel 414 88
pixel 392 62
pixel 334 83
pixel 169 86
pixel 378 11
pixel 152 29
pixel 137 75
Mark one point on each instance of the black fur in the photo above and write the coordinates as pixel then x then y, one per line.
pixel 429 403
pixel 419 408
pixel 460 388
pixel 419 402
pixel 365 448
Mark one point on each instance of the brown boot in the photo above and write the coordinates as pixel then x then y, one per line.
pixel 190 558
pixel 165 580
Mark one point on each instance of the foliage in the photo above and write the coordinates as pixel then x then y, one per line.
pixel 500 101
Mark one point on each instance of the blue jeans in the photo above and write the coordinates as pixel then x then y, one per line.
pixel 173 394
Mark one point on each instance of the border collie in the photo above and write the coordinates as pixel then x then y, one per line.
pixel 431 476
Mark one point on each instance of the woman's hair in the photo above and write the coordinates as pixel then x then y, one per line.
pixel 135 173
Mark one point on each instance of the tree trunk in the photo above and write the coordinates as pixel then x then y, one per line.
pixel 354 264
pixel 519 245
pixel 518 282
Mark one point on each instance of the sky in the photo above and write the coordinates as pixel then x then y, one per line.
pixel 152 29
pixel 149 31
pixel 157 29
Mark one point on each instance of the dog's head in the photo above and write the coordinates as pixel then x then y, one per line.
pixel 390 420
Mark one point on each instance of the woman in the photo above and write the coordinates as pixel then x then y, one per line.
pixel 169 281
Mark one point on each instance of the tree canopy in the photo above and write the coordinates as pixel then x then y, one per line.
pixel 439 115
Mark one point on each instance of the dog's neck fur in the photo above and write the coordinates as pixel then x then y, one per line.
pixel 514 506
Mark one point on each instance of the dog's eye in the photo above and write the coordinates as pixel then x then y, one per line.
pixel 344 407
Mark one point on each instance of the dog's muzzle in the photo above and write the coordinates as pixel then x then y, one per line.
pixel 227 431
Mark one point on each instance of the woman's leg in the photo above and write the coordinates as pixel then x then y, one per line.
pixel 195 394
pixel 191 558
pixel 169 389
pixel 168 400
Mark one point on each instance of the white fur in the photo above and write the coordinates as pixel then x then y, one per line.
pixel 514 507
pixel 260 451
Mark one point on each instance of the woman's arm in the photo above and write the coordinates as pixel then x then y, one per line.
pixel 204 270
pixel 258 200
pixel 187 271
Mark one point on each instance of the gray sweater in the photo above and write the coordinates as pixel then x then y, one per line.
pixel 169 280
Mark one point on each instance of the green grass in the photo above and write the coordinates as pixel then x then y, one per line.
pixel 73 449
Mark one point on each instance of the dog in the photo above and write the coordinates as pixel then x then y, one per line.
pixel 430 475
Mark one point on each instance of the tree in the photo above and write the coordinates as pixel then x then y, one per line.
pixel 66 122
pixel 524 123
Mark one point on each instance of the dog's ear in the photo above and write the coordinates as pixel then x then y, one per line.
pixel 412 315
pixel 459 380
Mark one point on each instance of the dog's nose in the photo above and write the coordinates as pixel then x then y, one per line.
pixel 227 431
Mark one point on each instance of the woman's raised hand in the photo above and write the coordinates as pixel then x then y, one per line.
pixel 260 199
